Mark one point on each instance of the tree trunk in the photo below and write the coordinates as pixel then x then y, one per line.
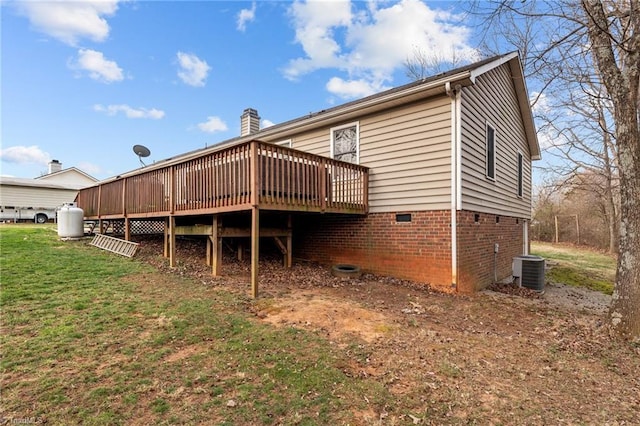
pixel 622 82
pixel 625 309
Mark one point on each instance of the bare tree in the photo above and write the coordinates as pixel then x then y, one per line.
pixel 423 64
pixel 547 202
pixel 582 140
pixel 577 122
pixel 604 37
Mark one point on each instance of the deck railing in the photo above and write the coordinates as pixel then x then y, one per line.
pixel 236 178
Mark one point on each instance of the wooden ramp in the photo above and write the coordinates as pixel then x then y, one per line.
pixel 115 245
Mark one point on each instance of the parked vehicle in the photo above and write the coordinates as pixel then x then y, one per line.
pixel 24 214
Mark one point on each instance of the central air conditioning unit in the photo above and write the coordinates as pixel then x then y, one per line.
pixel 528 270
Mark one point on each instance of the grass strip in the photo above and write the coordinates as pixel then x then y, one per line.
pixel 578 267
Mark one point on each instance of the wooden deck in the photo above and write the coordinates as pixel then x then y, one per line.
pixel 241 177
pixel 251 176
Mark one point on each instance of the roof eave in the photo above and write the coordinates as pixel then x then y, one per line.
pixel 513 59
pixel 525 108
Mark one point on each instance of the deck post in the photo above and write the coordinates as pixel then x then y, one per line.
pixel 166 238
pixel 255 245
pixel 127 229
pixel 289 258
pixel 255 216
pixel 209 250
pixel 323 184
pixel 172 241
pixel 216 243
pixel 99 212
pixel 124 197
pixel 365 192
pixel 172 190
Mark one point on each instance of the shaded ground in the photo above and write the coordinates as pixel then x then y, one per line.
pixel 493 358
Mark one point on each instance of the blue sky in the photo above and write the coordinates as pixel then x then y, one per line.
pixel 82 82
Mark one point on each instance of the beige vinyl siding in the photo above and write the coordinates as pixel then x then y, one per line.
pixel 26 196
pixel 493 99
pixel 314 142
pixel 69 178
pixel 408 151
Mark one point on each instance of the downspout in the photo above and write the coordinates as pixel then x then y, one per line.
pixel 456 198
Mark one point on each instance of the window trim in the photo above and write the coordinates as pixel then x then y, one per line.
pixel 520 174
pixel 486 154
pixel 355 124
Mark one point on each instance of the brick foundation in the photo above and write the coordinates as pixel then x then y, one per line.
pixel 419 250
pixel 477 234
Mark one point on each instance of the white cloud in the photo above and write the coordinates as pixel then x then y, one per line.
pixel 193 70
pixel 548 138
pixel 70 21
pixel 154 114
pixel 353 88
pixel 540 103
pixel 25 155
pixel 246 15
pixel 212 125
pixel 98 67
pixel 266 123
pixel 369 45
pixel 315 23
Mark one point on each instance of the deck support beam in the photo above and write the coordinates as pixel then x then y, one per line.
pixel 165 252
pixel 127 229
pixel 240 251
pixel 209 251
pixel 216 247
pixel 255 250
pixel 289 256
pixel 172 241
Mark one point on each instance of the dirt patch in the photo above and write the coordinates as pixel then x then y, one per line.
pixel 315 310
pixel 184 353
pixel 576 298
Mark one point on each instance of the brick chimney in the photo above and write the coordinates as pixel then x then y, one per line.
pixel 249 122
pixel 54 166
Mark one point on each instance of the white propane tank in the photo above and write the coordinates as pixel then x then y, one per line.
pixel 70 221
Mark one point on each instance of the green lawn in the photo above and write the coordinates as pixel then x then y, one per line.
pixel 89 337
pixel 579 267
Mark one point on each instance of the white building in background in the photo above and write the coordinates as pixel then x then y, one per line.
pixel 37 199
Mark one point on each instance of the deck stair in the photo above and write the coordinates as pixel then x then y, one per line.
pixel 115 245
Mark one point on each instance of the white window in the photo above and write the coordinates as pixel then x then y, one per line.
pixel 491 152
pixel 345 143
pixel 519 175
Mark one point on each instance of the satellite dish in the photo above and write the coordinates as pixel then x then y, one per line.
pixel 142 152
